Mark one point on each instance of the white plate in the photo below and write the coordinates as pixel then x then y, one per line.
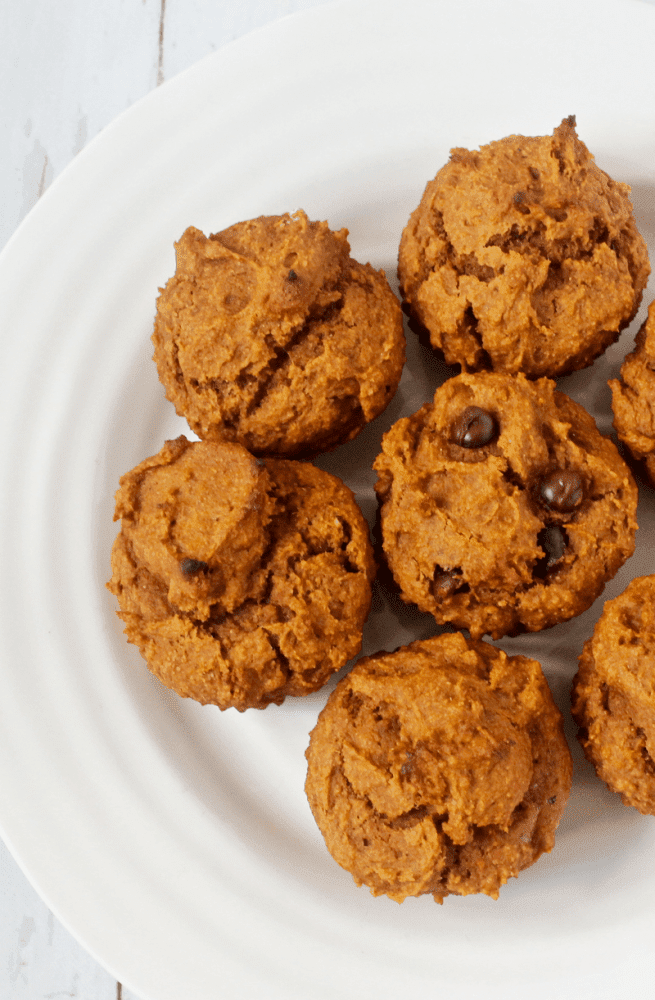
pixel 175 841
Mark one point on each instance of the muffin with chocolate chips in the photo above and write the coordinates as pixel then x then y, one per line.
pixel 523 256
pixel 240 581
pixel 633 396
pixel 613 696
pixel 271 335
pixel 440 768
pixel 503 508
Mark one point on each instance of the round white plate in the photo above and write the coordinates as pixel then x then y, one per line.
pixel 173 840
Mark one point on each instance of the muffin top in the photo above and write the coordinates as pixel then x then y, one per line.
pixel 613 697
pixel 503 508
pixel 523 256
pixel 633 396
pixel 271 335
pixel 241 581
pixel 439 768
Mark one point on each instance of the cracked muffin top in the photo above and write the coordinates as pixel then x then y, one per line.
pixel 440 768
pixel 503 508
pixel 271 335
pixel 523 256
pixel 633 396
pixel 613 696
pixel 241 581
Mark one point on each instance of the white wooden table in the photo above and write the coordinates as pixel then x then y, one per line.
pixel 67 68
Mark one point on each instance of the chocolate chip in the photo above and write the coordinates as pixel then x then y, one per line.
pixel 444 585
pixel 552 800
pixel 553 541
pixel 292 276
pixel 192 566
pixel 447 582
pixel 562 490
pixel 534 173
pixel 473 428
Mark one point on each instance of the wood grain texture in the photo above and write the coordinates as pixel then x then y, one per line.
pixel 39 959
pixel 66 71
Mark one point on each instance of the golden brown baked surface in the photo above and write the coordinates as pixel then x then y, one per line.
pixel 633 396
pixel 503 508
pixel 613 695
pixel 240 581
pixel 271 335
pixel 523 256
pixel 440 768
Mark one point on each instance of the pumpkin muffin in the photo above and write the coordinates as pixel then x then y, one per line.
pixel 440 768
pixel 240 581
pixel 633 396
pixel 523 256
pixel 503 509
pixel 271 335
pixel 613 696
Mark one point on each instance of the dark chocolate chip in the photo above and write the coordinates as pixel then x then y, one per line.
pixel 563 490
pixel 552 800
pixel 446 582
pixel 292 276
pixel 474 428
pixel 553 541
pixel 192 566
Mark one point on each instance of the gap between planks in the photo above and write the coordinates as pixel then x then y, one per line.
pixel 160 59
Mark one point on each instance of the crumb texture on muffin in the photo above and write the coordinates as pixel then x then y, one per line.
pixel 633 396
pixel 613 695
pixel 271 335
pixel 240 581
pixel 503 509
pixel 440 768
pixel 523 256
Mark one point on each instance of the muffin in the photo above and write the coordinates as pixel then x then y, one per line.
pixel 271 335
pixel 633 396
pixel 240 581
pixel 440 768
pixel 613 696
pixel 523 256
pixel 503 509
